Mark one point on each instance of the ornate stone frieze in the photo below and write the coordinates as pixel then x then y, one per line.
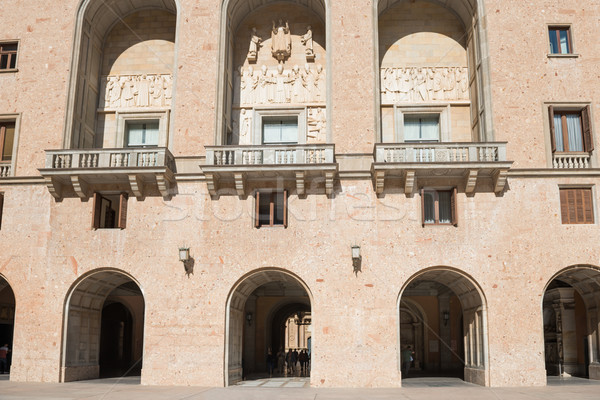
pixel 279 85
pixel 424 84
pixel 136 91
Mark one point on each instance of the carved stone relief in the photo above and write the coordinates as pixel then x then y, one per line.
pixel 136 91
pixel 255 43
pixel 317 125
pixel 280 86
pixel 424 84
pixel 281 41
pixel 307 41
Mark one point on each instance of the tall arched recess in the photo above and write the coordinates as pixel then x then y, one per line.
pixel 122 74
pixel 448 84
pixel 442 317
pixel 236 54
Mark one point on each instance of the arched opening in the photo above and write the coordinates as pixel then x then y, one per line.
pixel 7 324
pixel 121 85
pixel 274 62
pixel 268 310
pixel 571 315
pixel 433 72
pixel 104 327
pixel 442 327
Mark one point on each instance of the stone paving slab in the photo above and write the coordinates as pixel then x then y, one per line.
pixel 413 389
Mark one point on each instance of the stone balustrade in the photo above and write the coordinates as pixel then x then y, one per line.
pixel 571 160
pixel 270 155
pixel 439 152
pixel 108 158
pixel 5 170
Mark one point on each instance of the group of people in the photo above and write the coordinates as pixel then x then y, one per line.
pixel 292 362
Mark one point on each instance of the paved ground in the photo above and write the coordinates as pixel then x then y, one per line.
pixel 413 389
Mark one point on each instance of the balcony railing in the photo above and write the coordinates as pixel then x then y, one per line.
pixel 5 170
pixel 451 162
pixel 440 152
pixel 298 162
pixel 109 158
pixel 125 169
pixel 571 160
pixel 269 155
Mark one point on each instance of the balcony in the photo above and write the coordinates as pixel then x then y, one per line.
pixel 569 160
pixel 5 170
pixel 440 163
pixel 140 171
pixel 299 163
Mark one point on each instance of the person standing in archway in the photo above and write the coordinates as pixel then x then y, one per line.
pixel 407 357
pixel 3 356
pixel 270 362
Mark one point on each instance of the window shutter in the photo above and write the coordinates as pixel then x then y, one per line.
pixel 588 208
pixel 453 208
pixel 256 211
pixel 123 211
pixel 423 207
pixel 588 140
pixel 97 211
pixel 572 205
pixel 564 208
pixel 1 207
pixel 552 132
pixel 285 210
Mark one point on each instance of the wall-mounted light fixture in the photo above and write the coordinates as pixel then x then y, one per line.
pixel 356 259
pixel 249 318
pixel 446 317
pixel 184 257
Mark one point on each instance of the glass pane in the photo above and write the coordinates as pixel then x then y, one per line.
pixel 289 132
pixel 421 128
pixel 9 47
pixel 429 204
pixel 558 136
pixel 271 132
pixel 445 207
pixel 142 134
pixel 575 134
pixel 13 61
pixel 264 209
pixel 3 61
pixel 411 129
pixel 284 130
pixel 9 139
pixel 564 42
pixel 279 210
pixel 553 42
pixel 430 128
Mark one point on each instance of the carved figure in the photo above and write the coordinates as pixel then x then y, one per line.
pixel 421 84
pixel 319 92
pixel 309 82
pixel 307 41
pixel 114 91
pixel 156 88
pixel 449 82
pixel 297 86
pixel 316 125
pixel 462 83
pixel 281 41
pixel 281 81
pixel 255 43
pixel 405 86
pixel 143 91
pixel 264 83
pixel 245 125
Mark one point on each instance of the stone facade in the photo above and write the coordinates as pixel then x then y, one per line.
pixel 495 268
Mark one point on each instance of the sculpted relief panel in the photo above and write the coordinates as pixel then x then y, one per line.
pixel 136 91
pixel 424 84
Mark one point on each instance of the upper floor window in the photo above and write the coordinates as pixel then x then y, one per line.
pixel 280 130
pixel 7 139
pixel 560 40
pixel 422 128
pixel 570 130
pixel 142 134
pixel 8 55
pixel 438 207
pixel 271 209
pixel 576 206
pixel 110 211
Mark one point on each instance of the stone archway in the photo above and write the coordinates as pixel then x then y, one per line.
pixel 571 314
pixel 451 309
pixel 90 327
pixel 7 319
pixel 258 302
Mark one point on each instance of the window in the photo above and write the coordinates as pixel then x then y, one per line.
pixel 271 209
pixel 280 130
pixel 438 207
pixel 576 206
pixel 7 140
pixel 1 207
pixel 570 130
pixel 560 40
pixel 8 55
pixel 142 134
pixel 110 211
pixel 422 128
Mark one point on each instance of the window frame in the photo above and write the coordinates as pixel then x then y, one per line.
pixel 123 118
pixel 15 119
pixel 566 213
pixel 444 120
pixel 16 54
pixel 558 27
pixel 272 205
pixel 260 114
pixel 453 207
pixel 586 111
pixel 1 207
pixel 98 203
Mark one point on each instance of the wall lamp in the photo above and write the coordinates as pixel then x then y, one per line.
pixel 249 318
pixel 446 317
pixel 188 262
pixel 356 259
